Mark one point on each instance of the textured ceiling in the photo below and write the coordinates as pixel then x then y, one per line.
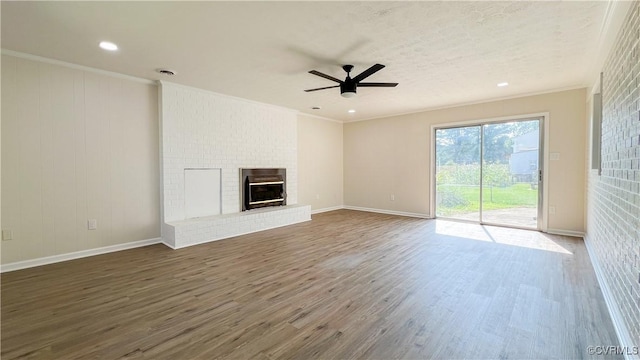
pixel 441 53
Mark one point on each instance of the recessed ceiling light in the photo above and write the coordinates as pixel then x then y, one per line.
pixel 503 84
pixel 351 111
pixel 108 46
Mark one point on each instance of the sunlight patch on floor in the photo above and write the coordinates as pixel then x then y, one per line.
pixel 501 235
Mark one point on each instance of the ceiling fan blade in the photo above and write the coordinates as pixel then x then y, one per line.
pixel 368 72
pixel 322 88
pixel 329 77
pixel 377 84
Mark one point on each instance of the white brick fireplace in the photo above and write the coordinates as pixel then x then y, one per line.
pixel 204 130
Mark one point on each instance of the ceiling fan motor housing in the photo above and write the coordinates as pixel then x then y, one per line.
pixel 348 88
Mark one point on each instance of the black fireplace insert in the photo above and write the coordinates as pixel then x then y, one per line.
pixel 263 188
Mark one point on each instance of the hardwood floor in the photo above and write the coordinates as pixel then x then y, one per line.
pixel 346 285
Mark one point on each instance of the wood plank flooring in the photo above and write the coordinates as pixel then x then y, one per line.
pixel 346 285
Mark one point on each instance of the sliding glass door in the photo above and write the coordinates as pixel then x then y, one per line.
pixel 458 172
pixel 489 173
pixel 510 177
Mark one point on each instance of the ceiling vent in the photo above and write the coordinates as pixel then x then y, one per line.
pixel 166 72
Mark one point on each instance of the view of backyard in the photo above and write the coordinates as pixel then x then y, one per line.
pixel 495 162
pixel 458 195
pixel 464 199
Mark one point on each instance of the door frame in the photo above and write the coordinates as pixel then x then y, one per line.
pixel 543 194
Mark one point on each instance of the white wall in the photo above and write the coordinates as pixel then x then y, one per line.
pixel 76 145
pixel 392 155
pixel 320 167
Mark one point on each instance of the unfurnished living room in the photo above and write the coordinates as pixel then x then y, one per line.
pixel 320 180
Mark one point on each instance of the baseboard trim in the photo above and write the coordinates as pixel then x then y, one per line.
pixel 624 337
pixel 19 265
pixel 565 232
pixel 333 208
pixel 388 212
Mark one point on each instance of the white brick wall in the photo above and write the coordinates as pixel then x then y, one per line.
pixel 613 226
pixel 201 129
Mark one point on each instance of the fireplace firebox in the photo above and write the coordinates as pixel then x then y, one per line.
pixel 263 188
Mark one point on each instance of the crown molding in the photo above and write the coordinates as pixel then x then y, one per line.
pixel 76 66
pixel 614 18
pixel 486 101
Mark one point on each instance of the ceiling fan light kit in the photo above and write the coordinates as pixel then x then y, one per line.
pixel 349 86
pixel 347 92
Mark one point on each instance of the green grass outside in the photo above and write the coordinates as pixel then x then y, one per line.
pixel 460 199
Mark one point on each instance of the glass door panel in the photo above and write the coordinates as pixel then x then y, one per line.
pixel 510 173
pixel 458 172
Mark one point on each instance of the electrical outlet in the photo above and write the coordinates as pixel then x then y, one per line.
pixel 552 210
pixel 393 197
pixel 7 235
pixel 92 224
pixel 317 196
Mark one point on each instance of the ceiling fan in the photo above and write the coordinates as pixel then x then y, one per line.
pixel 348 86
